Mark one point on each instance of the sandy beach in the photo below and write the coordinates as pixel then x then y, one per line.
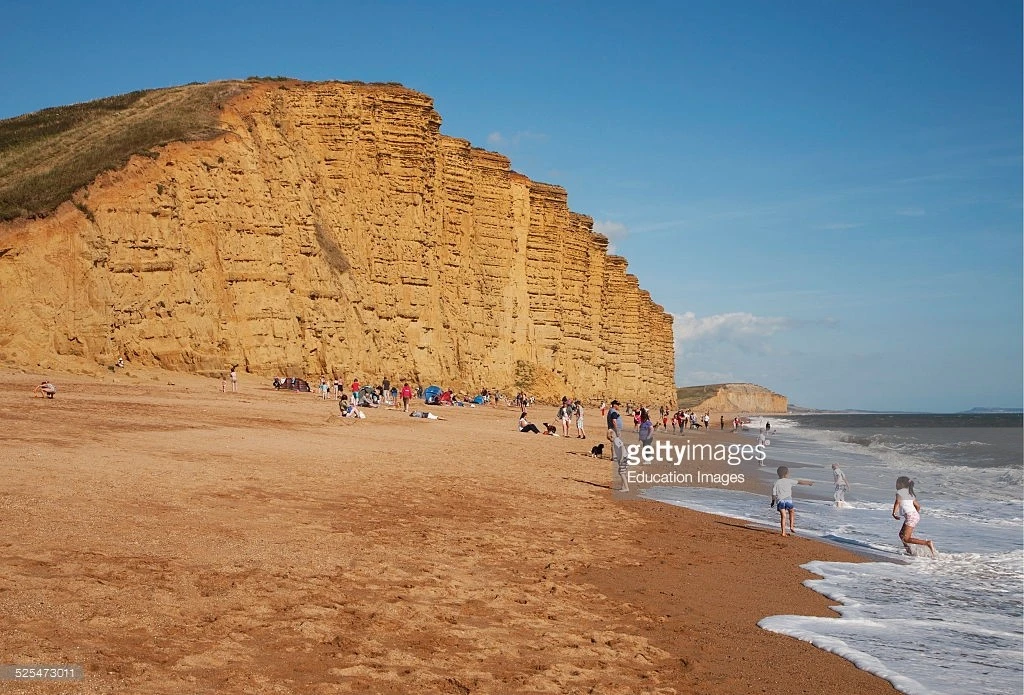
pixel 171 538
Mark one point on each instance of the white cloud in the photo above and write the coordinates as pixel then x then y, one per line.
pixel 612 230
pixel 735 327
pixel 496 139
pixel 737 331
pixel 615 231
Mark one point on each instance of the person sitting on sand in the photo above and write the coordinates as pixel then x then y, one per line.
pixel 526 426
pixel 349 408
pixel 910 511
pixel 45 390
pixel 782 498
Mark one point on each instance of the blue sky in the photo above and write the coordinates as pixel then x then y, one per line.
pixel 827 195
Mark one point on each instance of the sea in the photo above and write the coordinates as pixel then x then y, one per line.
pixel 954 624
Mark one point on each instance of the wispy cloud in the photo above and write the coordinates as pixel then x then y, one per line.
pixel 615 231
pixel 739 329
pixel 910 212
pixel 499 139
pixel 735 327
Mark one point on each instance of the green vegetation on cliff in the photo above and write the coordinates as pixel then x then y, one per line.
pixel 47 155
pixel 691 396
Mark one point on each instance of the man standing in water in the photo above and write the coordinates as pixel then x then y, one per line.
pixel 842 485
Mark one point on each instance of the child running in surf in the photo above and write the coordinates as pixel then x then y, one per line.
pixel 910 511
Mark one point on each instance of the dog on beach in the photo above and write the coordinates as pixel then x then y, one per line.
pixel 550 429
pixel 597 451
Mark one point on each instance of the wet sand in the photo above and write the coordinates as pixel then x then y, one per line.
pixel 171 538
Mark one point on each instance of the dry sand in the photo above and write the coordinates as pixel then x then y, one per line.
pixel 175 539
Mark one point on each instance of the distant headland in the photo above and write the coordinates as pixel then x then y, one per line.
pixel 731 398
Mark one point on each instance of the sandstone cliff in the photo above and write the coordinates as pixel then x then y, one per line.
pixel 330 228
pixel 748 399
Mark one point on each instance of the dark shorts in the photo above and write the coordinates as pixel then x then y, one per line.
pixel 784 504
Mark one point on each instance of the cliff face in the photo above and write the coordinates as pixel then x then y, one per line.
pixel 332 229
pixel 732 398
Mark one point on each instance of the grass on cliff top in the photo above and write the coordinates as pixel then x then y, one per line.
pixel 46 156
pixel 690 396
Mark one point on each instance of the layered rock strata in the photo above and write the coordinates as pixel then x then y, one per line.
pixel 331 229
pixel 749 399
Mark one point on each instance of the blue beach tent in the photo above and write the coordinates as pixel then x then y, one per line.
pixel 432 393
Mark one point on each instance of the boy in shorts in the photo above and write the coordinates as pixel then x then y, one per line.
pixel 782 498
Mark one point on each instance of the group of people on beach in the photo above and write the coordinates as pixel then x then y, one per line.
pixel 906 506
pixel 386 394
pixel 570 411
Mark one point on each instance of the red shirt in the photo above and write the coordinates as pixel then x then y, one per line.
pixel 406 392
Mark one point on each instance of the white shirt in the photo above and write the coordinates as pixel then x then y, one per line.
pixel 840 478
pixel 783 488
pixel 906 500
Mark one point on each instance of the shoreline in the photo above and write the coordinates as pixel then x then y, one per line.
pixel 242 540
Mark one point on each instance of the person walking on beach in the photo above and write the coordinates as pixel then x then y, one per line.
pixel 355 390
pixel 782 498
pixel 910 512
pixel 234 378
pixel 406 396
pixel 842 485
pixel 580 432
pixel 613 420
pixel 646 431
pixel 564 415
